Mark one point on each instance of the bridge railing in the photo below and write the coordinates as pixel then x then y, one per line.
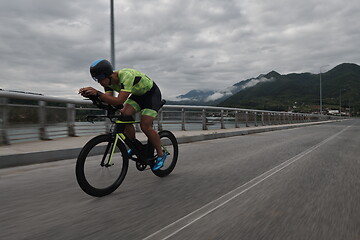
pixel 28 117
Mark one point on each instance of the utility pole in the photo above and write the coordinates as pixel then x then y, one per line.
pixel 321 89
pixel 340 103
pixel 349 108
pixel 112 35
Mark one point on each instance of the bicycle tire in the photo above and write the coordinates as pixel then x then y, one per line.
pixel 168 141
pixel 88 168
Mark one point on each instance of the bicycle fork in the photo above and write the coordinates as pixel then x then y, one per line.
pixel 110 146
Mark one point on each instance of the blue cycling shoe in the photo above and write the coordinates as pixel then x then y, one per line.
pixel 130 153
pixel 159 162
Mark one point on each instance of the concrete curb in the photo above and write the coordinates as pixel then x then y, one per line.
pixel 236 132
pixel 15 160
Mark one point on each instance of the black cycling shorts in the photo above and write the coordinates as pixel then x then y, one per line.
pixel 148 103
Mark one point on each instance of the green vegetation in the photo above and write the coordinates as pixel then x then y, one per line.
pixel 300 92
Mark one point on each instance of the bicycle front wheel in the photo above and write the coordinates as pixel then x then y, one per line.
pixel 169 145
pixel 100 168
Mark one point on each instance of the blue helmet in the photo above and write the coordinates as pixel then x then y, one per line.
pixel 101 69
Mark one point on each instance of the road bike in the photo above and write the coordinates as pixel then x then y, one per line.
pixel 103 162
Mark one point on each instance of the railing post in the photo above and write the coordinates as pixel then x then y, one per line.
pixel 283 118
pixel 236 119
pixel 4 118
pixel 262 119
pixel 222 119
pixel 246 119
pixel 160 119
pixel 137 125
pixel 183 119
pixel 70 112
pixel 204 126
pixel 255 119
pixel 273 118
pixel 269 118
pixel 280 118
pixel 107 125
pixel 42 121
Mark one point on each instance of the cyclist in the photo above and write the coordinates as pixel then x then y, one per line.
pixel 137 92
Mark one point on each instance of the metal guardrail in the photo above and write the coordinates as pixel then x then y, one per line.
pixel 27 117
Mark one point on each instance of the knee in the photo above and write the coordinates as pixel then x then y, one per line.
pixel 127 110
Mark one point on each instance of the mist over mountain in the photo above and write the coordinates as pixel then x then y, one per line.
pixel 298 92
pixel 214 97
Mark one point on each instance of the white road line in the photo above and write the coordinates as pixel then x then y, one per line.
pixel 194 216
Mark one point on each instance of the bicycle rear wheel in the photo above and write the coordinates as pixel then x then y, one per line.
pixel 170 147
pixel 96 174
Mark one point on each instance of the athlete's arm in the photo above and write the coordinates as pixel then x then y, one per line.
pixel 107 96
pixel 115 101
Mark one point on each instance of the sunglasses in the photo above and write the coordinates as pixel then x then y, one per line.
pixel 100 77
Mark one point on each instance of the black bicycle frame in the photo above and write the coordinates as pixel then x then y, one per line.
pixel 143 152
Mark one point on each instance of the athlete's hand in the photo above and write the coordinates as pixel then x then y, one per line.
pixel 88 91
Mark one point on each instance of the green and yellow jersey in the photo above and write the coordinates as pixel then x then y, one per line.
pixel 133 81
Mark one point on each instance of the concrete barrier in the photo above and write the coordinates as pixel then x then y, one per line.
pixel 60 150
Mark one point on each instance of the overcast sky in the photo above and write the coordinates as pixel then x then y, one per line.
pixel 47 46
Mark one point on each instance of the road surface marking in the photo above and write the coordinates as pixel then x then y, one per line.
pixel 175 227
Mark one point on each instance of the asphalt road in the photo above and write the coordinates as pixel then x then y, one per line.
pixel 301 183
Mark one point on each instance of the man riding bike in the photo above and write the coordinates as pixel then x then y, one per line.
pixel 137 92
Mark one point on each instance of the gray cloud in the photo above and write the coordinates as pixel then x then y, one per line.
pixel 182 45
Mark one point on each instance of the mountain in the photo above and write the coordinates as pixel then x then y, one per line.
pixel 300 91
pixel 214 97
pixel 196 95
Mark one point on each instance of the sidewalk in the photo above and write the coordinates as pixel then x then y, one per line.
pixel 66 148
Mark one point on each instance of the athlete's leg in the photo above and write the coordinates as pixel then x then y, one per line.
pixel 146 124
pixel 129 110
